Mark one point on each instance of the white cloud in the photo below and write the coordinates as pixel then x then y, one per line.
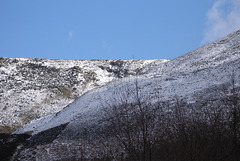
pixel 70 35
pixel 223 18
pixel 106 46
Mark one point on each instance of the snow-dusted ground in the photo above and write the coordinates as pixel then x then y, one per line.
pixel 34 88
pixel 186 77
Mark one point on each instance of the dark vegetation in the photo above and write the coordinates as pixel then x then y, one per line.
pixel 44 137
pixel 41 138
pixel 117 68
pixel 146 131
pixel 9 144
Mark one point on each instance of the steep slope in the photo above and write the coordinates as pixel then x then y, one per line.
pixel 33 88
pixel 187 77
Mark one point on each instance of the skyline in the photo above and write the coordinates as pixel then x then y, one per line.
pixel 112 29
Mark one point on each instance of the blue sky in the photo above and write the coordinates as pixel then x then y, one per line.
pixel 112 29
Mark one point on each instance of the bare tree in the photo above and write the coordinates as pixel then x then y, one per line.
pixel 134 122
pixel 147 129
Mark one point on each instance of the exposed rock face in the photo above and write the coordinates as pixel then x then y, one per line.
pixel 33 88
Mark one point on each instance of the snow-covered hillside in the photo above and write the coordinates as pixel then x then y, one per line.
pixel 33 88
pixel 187 77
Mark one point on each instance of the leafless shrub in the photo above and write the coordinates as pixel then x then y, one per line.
pixel 145 131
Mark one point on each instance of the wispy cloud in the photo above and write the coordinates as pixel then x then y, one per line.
pixel 106 46
pixel 70 35
pixel 223 18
